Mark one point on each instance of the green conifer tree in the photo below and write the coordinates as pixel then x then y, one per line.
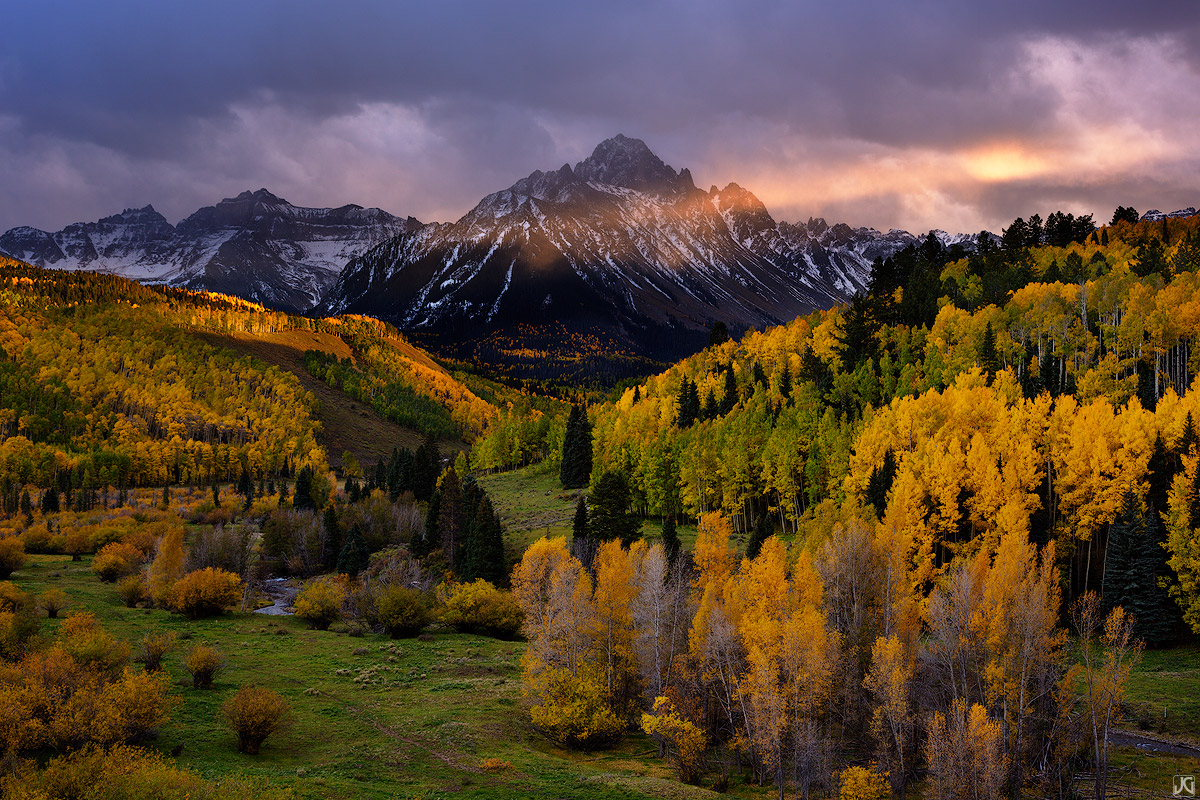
pixel 670 538
pixel 354 555
pixel 763 528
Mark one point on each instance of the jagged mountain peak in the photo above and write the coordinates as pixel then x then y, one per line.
pixel 260 196
pixel 256 245
pixel 630 164
pixel 146 215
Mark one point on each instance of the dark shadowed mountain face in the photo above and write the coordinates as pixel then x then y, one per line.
pixel 620 255
pixel 255 245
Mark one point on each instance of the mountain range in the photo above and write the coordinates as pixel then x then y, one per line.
pixel 620 254
pixel 256 245
pixel 615 262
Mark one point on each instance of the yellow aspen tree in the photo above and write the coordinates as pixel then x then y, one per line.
pixel 167 567
pixel 890 683
pixel 965 755
pixel 1108 652
pixel 611 602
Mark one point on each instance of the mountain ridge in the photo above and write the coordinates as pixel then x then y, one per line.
pixel 255 245
pixel 622 247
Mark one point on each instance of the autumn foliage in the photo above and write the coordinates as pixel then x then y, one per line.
pixel 78 690
pixel 205 592
pixel 320 602
pixel 254 713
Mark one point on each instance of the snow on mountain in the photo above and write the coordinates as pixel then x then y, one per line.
pixel 255 245
pixel 622 248
pixel 1154 215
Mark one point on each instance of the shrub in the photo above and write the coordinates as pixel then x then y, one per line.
pixel 686 742
pixel 254 713
pixel 495 765
pixel 320 603
pixel 76 543
pixel 12 599
pixel 78 691
pixel 479 607
pixel 12 555
pixel 131 590
pixel 125 773
pixel 403 611
pixel 574 710
pixel 154 646
pixel 860 783
pixel 203 662
pixel 53 601
pixel 116 560
pixel 205 592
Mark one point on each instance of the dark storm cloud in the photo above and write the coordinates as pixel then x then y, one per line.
pixel 422 108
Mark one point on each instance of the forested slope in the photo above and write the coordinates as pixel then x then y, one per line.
pixel 1028 386
pixel 111 384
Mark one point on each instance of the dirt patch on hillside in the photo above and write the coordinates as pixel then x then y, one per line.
pixel 346 424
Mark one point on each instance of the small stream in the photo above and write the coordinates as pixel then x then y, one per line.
pixel 283 595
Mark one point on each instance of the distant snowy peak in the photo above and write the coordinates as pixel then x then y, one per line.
pixel 1154 215
pixel 621 247
pixel 256 245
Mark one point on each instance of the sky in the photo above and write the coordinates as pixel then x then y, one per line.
pixel 916 115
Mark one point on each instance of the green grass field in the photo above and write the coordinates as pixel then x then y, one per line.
pixel 375 718
pixel 533 504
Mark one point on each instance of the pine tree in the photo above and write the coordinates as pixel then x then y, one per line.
pixel 730 397
pixel 880 483
pixel 610 517
pixel 988 359
pixel 50 503
pixel 576 465
pixel 27 506
pixel 303 498
pixel 785 383
pixel 710 408
pixel 670 538
pixel 216 494
pixel 354 555
pixel 484 556
pixel 688 404
pixel 427 542
pixel 427 465
pixel 1132 562
pixel 1159 474
pixel 1188 440
pixel 333 538
pixel 763 528
pixel 718 334
pixel 451 519
pixel 637 394
pixel 579 525
pixel 759 376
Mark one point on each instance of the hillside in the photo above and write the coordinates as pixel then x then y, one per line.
pixel 1027 387
pixel 112 384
